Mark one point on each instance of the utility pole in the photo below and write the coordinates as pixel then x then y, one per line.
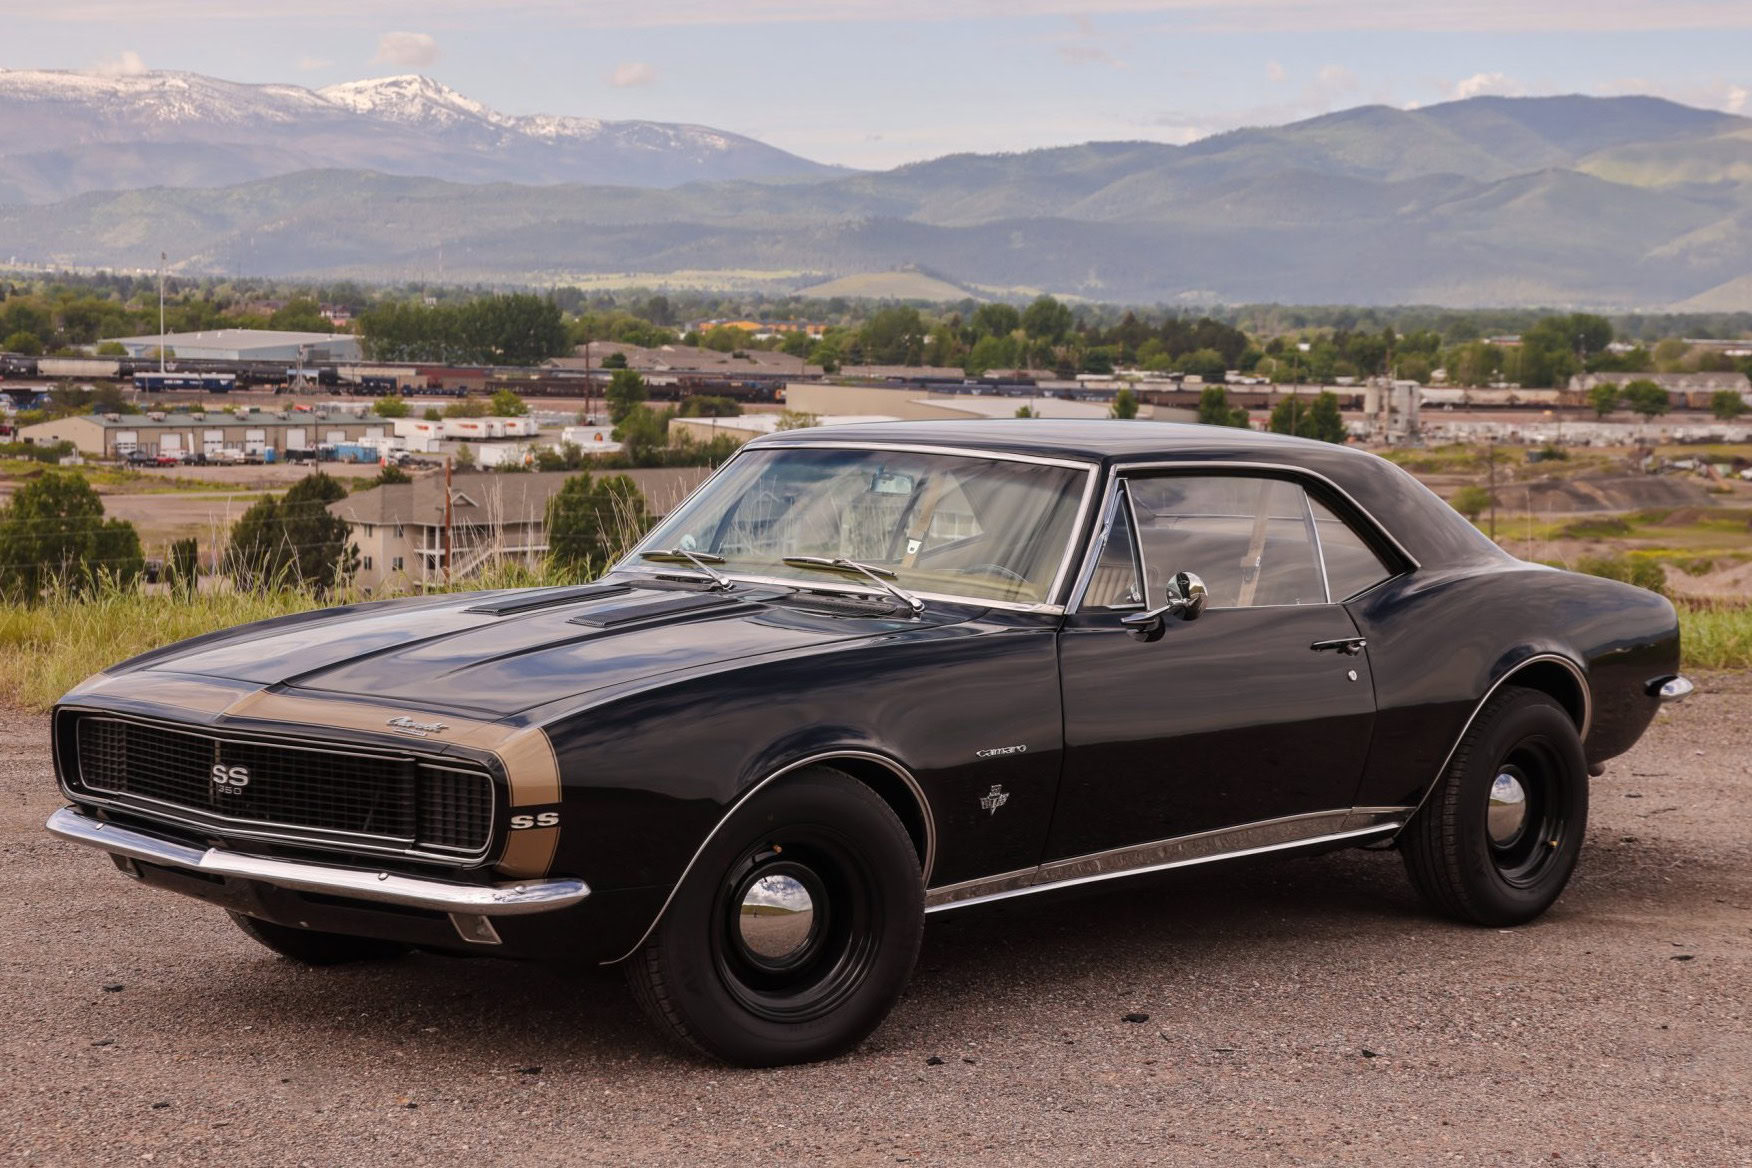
pixel 1490 456
pixel 447 541
pixel 162 257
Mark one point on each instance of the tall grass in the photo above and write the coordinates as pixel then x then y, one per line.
pixel 49 647
pixel 1716 636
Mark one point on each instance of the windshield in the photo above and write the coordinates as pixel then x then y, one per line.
pixel 947 523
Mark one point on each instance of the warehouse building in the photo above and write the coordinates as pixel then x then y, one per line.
pixel 236 344
pixel 211 433
pixel 398 528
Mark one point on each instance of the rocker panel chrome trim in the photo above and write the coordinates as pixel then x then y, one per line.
pixel 1247 839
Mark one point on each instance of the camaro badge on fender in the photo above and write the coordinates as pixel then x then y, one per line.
pixel 994 798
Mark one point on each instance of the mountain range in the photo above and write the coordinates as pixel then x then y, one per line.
pixel 63 134
pixel 1623 202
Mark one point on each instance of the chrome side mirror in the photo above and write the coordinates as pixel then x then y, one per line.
pixel 1187 595
pixel 1186 599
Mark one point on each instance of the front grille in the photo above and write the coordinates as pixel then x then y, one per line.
pixel 399 800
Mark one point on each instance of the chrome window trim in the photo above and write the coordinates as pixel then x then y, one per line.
pixel 269 831
pixel 1319 550
pixel 900 772
pixel 1581 676
pixel 1052 603
pixel 1298 474
pixel 1247 839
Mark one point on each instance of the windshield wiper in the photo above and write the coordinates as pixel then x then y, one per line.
pixel 881 576
pixel 701 560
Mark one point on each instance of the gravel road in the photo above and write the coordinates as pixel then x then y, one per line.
pixel 1299 1012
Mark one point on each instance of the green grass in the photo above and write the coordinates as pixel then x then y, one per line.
pixel 48 648
pixel 1716 636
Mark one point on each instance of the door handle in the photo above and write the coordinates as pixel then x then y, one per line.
pixel 1348 646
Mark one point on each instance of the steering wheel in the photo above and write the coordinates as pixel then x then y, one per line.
pixel 997 570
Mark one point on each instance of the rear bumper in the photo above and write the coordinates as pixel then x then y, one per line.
pixel 468 905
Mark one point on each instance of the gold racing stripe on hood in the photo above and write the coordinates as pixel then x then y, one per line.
pixel 532 772
pixel 178 691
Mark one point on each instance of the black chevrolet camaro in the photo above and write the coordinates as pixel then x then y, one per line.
pixel 870 673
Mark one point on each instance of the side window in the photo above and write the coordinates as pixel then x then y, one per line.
pixel 1351 564
pixel 1114 582
pixel 1250 539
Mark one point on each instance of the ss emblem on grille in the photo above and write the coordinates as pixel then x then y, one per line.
pixel 230 780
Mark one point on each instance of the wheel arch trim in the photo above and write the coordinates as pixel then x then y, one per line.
pixel 1576 670
pixel 906 777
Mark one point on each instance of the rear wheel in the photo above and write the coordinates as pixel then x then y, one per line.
pixel 795 932
pixel 1499 837
pixel 313 948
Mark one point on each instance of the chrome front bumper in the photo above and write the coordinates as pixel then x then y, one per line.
pixel 468 904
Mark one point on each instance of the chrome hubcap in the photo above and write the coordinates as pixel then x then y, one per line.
pixel 1507 816
pixel 776 918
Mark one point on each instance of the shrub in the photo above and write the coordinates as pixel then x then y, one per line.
pixel 293 541
pixel 590 522
pixel 1471 501
pixel 1643 573
pixel 53 536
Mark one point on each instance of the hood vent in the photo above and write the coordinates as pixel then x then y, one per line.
pixel 524 601
pixel 608 616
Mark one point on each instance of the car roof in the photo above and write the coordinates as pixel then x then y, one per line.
pixel 1431 531
pixel 1092 440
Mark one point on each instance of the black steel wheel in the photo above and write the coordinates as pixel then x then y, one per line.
pixel 796 930
pixel 1499 837
pixel 313 948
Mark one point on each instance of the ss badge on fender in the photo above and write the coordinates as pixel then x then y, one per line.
pixel 540 819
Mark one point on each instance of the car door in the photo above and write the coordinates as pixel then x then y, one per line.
pixel 1258 708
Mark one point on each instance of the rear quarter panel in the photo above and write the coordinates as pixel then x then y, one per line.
pixel 1439 641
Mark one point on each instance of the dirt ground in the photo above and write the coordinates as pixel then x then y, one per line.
pixel 1304 1012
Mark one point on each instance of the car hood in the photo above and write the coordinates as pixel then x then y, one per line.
pixel 500 653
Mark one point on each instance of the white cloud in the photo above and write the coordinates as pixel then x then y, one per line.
pixel 1081 46
pixel 1189 15
pixel 1275 72
pixel 1480 84
pixel 410 50
pixel 1734 101
pixel 631 73
pixel 310 64
pixel 1335 79
pixel 1089 55
pixel 125 64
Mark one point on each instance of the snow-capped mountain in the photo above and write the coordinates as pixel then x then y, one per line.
pixel 65 133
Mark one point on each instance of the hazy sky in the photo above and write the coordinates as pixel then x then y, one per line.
pixel 879 82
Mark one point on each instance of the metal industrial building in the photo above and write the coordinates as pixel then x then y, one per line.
pixel 236 344
pixel 178 433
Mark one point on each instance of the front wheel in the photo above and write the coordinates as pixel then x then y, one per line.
pixel 1498 838
pixel 795 932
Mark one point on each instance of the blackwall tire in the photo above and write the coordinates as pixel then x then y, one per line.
pixel 310 947
pixel 1498 839
pixel 796 931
